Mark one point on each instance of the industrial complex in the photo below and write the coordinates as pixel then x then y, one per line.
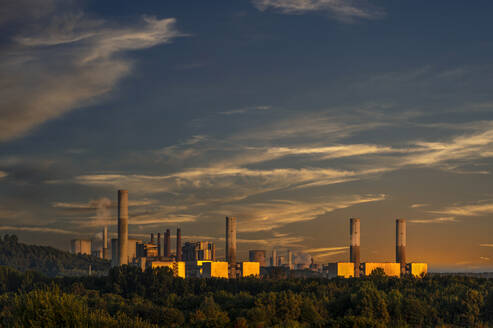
pixel 198 259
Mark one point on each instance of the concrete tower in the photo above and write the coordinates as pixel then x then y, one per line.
pixel 158 244
pixel 106 253
pixel 122 227
pixel 400 243
pixel 290 260
pixel 231 245
pixel 178 244
pixel 354 236
pixel 167 243
pixel 273 259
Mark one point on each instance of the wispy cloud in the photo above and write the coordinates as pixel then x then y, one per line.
pixel 274 214
pixel 486 245
pixel 419 205
pixel 3 174
pixel 327 254
pixel 66 60
pixel 245 110
pixel 327 249
pixel 343 10
pixel 467 210
pixel 435 220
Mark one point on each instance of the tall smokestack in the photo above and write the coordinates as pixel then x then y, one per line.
pixel 178 244
pixel 400 243
pixel 290 260
pixel 167 243
pixel 152 238
pixel 122 227
pixel 106 253
pixel 273 259
pixel 354 235
pixel 231 245
pixel 158 244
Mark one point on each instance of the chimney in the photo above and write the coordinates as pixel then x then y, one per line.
pixel 273 259
pixel 354 235
pixel 158 244
pixel 152 238
pixel 122 227
pixel 106 253
pixel 290 260
pixel 178 244
pixel 167 243
pixel 231 245
pixel 400 243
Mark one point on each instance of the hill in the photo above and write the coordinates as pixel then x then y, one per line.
pixel 47 260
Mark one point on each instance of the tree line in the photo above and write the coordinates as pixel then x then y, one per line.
pixel 129 297
pixel 48 260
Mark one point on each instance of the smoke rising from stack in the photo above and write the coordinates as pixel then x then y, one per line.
pixel 354 236
pixel 303 259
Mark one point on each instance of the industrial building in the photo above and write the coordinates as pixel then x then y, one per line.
pixel 199 251
pixel 257 255
pixel 394 269
pixel 80 246
pixel 339 269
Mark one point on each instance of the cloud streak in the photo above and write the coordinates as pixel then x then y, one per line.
pixel 343 10
pixel 435 220
pixel 65 62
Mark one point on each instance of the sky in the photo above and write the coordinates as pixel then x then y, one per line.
pixel 290 115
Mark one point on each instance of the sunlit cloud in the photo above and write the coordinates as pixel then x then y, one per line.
pixel 65 61
pixel 274 214
pixel 327 254
pixel 3 174
pixel 486 245
pixel 327 249
pixel 418 205
pixel 435 220
pixel 467 210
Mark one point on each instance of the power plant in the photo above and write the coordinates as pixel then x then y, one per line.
pixel 198 258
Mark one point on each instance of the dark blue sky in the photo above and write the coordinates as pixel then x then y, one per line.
pixel 291 115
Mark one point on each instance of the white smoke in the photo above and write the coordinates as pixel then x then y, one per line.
pixel 103 210
pixel 303 259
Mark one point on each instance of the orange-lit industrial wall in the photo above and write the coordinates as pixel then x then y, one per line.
pixel 416 269
pixel 250 269
pixel 390 269
pixel 215 269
